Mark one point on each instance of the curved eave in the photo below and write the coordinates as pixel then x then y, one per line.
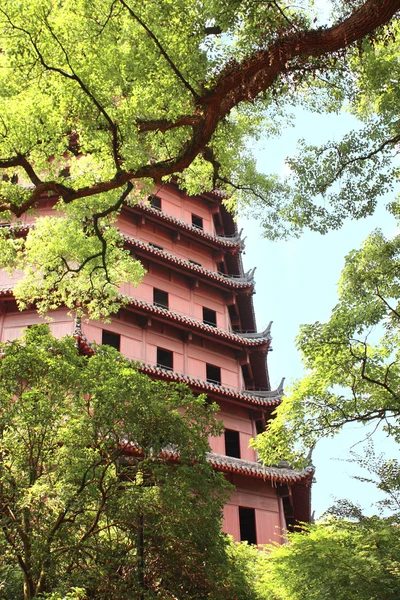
pixel 194 271
pixel 261 340
pixel 191 270
pixel 6 292
pixel 232 246
pixel 228 464
pixel 219 391
pixel 227 337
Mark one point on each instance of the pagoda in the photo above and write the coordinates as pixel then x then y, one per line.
pixel 192 320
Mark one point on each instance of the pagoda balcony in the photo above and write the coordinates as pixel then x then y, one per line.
pixel 229 243
pixel 238 282
pixel 261 398
pixel 281 473
pixel 185 322
pixel 245 281
pixel 277 474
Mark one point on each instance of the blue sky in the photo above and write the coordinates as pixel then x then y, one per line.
pixel 295 284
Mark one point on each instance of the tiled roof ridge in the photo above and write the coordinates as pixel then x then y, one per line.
pixel 268 393
pixel 236 282
pixel 281 474
pixel 81 342
pixel 226 241
pixel 245 281
pixel 271 400
pixel 256 339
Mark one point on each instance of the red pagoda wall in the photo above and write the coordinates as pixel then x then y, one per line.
pixel 143 329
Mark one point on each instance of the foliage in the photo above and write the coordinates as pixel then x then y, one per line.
pixel 97 94
pixel 352 361
pixel 345 556
pixel 92 493
pixel 346 179
pixel 339 559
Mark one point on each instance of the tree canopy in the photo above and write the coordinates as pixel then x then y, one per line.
pixel 350 176
pixel 339 559
pixel 104 481
pixel 352 361
pixel 102 101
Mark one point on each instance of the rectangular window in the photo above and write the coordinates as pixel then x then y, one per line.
pixel 209 316
pixel 111 339
pixel 160 298
pixel 193 262
pixel 155 202
pixel 247 520
pixel 197 221
pixel 213 374
pixel 232 443
pixel 164 358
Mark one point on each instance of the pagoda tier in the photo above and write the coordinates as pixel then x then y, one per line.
pixel 192 320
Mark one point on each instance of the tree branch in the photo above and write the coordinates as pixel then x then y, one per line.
pixel 390 142
pixel 112 125
pixel 164 125
pixel 161 49
pixel 21 161
pixel 236 83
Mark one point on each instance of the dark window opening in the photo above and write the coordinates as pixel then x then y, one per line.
pixel 232 311
pixel 245 372
pixel 222 268
pixel 217 220
pixel 111 339
pixel 288 512
pixel 197 221
pixel 156 246
pixel 160 298
pixel 209 316
pixel 213 374
pixel 155 202
pixel 65 172
pixel 193 262
pixel 259 426
pixel 164 358
pixel 232 443
pixel 247 520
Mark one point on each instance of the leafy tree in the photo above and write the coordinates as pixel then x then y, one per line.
pixel 346 179
pixel 346 555
pixel 339 559
pixel 92 494
pixel 352 361
pixel 96 95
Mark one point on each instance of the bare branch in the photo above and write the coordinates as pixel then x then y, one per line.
pixel 363 157
pixel 282 12
pixel 386 303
